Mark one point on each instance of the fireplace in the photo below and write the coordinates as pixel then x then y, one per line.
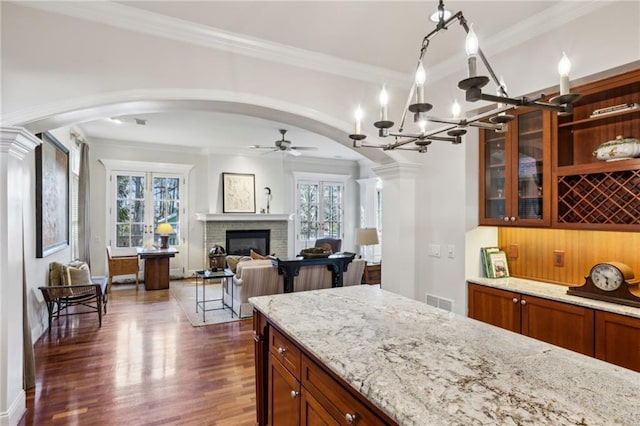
pixel 240 242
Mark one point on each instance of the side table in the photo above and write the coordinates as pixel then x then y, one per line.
pixel 372 274
pixel 223 276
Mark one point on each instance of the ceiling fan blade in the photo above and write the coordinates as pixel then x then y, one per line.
pixel 304 148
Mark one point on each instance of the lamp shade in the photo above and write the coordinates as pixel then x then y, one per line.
pixel 165 228
pixel 366 236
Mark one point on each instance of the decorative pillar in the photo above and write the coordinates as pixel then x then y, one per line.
pixel 398 227
pixel 15 145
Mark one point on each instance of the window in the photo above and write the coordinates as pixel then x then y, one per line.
pixel 320 209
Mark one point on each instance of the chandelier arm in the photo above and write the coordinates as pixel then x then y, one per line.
pixel 423 50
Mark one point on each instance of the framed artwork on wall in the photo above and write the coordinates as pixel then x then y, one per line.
pixel 52 196
pixel 238 193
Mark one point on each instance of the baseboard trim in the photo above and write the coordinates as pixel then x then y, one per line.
pixel 16 410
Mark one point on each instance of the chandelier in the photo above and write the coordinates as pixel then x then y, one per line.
pixel 454 128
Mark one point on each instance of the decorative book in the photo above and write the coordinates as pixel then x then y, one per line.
pixel 484 254
pixel 498 264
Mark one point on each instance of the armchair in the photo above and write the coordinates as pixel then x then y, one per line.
pixel 121 265
pixel 334 244
pixel 72 285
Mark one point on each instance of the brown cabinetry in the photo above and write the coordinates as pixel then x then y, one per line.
pixel 607 336
pixel 515 172
pixel 560 324
pixel 591 193
pixel 618 339
pixel 298 390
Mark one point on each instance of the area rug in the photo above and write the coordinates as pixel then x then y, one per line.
pixel 185 293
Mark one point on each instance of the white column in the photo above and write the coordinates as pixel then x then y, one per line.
pixel 367 212
pixel 15 145
pixel 398 227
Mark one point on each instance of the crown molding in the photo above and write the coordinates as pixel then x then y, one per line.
pixel 137 20
pixel 17 142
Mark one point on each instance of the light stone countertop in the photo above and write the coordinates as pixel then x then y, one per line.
pixel 424 366
pixel 554 292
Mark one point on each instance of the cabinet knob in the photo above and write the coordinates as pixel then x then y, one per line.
pixel 523 302
pixel 515 300
pixel 294 394
pixel 506 219
pixel 281 350
pixel 513 219
pixel 350 418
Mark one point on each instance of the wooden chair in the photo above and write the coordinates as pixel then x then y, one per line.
pixel 121 265
pixel 59 297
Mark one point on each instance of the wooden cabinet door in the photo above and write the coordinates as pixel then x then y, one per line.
pixel 618 339
pixel 284 395
pixel 496 307
pixel 313 413
pixel 561 324
pixel 515 172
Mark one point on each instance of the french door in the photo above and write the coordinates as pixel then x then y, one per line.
pixel 320 211
pixel 141 201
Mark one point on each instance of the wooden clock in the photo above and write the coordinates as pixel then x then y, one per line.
pixel 611 282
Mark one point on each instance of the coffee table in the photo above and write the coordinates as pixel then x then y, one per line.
pixel 223 276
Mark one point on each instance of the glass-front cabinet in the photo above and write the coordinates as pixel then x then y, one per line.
pixel 515 168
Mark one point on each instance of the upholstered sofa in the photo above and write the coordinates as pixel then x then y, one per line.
pixel 260 278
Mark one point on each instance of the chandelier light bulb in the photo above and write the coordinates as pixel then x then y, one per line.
pixel 564 67
pixel 384 102
pixel 358 120
pixel 471 42
pixel 422 124
pixel 421 77
pixel 455 109
pixel 471 47
pixel 502 92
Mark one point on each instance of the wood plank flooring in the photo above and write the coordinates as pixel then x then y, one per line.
pixel 146 366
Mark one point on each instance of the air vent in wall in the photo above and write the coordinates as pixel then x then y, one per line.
pixel 439 302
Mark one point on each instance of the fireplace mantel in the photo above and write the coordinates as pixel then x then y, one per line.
pixel 241 217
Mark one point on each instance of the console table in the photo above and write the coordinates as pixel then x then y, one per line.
pixel 289 268
pixel 156 267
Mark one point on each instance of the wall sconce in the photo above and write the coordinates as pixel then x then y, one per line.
pixel 164 229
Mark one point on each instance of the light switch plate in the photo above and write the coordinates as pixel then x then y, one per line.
pixel 558 258
pixel 434 250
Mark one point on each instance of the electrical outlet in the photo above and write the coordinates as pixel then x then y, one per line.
pixel 434 250
pixel 451 251
pixel 513 251
pixel 558 258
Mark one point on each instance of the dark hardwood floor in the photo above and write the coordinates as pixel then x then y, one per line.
pixel 146 366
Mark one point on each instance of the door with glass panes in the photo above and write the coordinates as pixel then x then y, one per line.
pixel 320 212
pixel 142 201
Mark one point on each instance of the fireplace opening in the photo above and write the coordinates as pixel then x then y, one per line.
pixel 240 242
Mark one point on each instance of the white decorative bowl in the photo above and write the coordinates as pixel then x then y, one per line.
pixel 618 149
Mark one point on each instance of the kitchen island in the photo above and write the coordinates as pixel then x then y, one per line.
pixel 404 362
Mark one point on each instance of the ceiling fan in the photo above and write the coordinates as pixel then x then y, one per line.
pixel 285 146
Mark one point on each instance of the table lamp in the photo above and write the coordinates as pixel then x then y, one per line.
pixel 366 237
pixel 164 229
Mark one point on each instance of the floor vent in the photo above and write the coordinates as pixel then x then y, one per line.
pixel 439 302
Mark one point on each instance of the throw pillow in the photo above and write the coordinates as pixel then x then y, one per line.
pixel 56 270
pixel 80 275
pixel 257 256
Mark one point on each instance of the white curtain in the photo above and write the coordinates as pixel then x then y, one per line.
pixel 84 200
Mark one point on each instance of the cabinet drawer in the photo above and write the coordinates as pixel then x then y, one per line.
pixel 285 351
pixel 335 399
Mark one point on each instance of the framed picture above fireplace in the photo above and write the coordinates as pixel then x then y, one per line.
pixel 238 193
